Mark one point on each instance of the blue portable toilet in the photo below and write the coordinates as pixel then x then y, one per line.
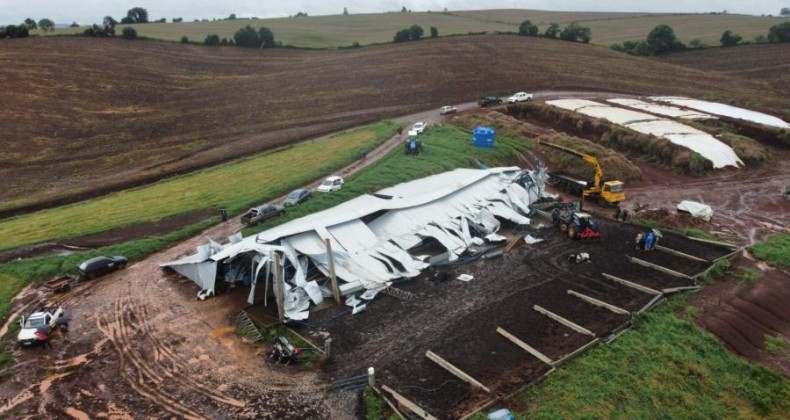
pixel 483 137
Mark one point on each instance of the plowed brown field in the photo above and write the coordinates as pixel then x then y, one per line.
pixel 85 116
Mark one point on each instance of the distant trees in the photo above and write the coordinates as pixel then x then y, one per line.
pixel 785 11
pixel 662 39
pixel 31 24
pixel 109 20
pixel 106 31
pixel 136 15
pixel 212 39
pixel 249 37
pixel 779 33
pixel 184 39
pixel 553 31
pixel 401 36
pixel 576 33
pixel 177 20
pixel 527 29
pixel 729 39
pixel 403 9
pixel 415 32
pixel 301 14
pixel 434 32
pixel 14 31
pixel 129 33
pixel 46 25
pixel 74 25
pixel 232 16
pixel 345 11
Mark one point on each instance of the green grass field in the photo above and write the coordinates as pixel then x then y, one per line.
pixel 342 31
pixel 234 185
pixel 665 367
pixel 775 250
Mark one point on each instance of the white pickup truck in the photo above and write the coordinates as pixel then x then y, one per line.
pixel 520 97
pixel 44 319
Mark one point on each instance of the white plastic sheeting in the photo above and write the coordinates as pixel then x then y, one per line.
pixel 698 210
pixel 724 110
pixel 368 255
pixel 707 146
pixel 666 110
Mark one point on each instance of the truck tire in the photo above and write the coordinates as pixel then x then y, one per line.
pixel 572 232
pixel 563 227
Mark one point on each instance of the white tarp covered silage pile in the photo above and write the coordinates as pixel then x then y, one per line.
pixel 371 235
pixel 724 110
pixel 707 146
pixel 659 109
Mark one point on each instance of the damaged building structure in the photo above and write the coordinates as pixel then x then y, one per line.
pixel 373 239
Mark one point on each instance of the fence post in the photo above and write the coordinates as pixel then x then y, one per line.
pixel 372 377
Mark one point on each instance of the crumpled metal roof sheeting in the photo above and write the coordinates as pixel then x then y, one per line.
pixel 370 256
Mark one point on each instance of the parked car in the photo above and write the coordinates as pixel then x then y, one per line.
pixel 448 109
pixel 520 97
pixel 489 101
pixel 419 127
pixel 261 213
pixel 333 183
pixel 41 320
pixel 99 266
pixel 297 196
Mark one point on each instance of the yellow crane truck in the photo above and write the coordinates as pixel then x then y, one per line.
pixel 609 192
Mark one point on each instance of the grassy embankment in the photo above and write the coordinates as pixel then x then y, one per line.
pixel 235 185
pixel 338 30
pixel 445 148
pixel 775 250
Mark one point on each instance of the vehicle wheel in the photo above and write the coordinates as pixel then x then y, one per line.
pixel 572 232
pixel 90 276
pixel 121 266
pixel 65 288
pixel 563 227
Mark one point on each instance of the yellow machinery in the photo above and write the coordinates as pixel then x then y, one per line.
pixel 611 192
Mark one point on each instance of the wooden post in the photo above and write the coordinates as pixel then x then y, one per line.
pixel 371 377
pixel 332 276
pixel 600 303
pixel 278 288
pixel 526 347
pixel 455 371
pixel 643 289
pixel 568 323
pixel 408 404
pixel 327 346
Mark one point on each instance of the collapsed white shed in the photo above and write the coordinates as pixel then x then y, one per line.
pixel 371 236
pixel 716 108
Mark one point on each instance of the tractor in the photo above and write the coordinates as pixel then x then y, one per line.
pixel 577 224
pixel 413 147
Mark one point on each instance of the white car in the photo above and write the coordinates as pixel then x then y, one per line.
pixel 520 97
pixel 41 320
pixel 333 183
pixel 418 127
pixel 448 109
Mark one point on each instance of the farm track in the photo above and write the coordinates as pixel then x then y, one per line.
pixel 180 108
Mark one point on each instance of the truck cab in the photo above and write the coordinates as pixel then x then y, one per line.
pixel 613 192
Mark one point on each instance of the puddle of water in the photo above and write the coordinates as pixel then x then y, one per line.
pixel 222 331
pixel 77 414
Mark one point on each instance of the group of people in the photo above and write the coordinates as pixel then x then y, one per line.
pixel 620 214
pixel 43 335
pixel 647 241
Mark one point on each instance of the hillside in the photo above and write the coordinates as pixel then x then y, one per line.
pixel 339 30
pixel 765 63
pixel 85 116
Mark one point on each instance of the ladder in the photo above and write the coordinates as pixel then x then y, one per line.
pixel 247 327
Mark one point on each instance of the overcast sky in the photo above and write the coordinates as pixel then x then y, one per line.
pixel 93 11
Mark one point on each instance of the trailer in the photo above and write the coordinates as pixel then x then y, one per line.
pixel 60 283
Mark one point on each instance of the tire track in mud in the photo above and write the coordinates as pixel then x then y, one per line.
pixel 129 325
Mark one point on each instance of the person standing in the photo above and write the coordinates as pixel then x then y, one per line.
pixel 638 241
pixel 649 241
pixel 63 326
pixel 43 337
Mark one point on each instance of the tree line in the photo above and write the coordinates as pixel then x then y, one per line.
pixel 573 32
pixel 662 40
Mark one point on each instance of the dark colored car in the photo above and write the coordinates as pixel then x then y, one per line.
pixel 297 197
pixel 259 214
pixel 489 101
pixel 98 266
